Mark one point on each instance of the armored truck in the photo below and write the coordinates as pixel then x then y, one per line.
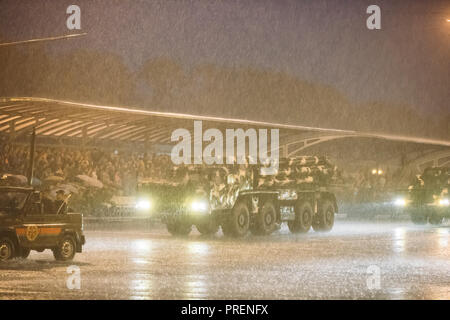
pixel 26 224
pixel 428 197
pixel 240 198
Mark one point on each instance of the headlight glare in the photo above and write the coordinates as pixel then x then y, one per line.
pixel 143 205
pixel 400 202
pixel 199 206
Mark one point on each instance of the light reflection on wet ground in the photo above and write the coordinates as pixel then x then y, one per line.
pixel 414 263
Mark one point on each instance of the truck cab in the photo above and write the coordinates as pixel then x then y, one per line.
pixel 26 224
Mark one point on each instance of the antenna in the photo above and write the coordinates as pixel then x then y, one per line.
pixel 31 163
pixel 68 36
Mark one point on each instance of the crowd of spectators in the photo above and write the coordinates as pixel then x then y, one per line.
pixel 117 171
pixel 113 169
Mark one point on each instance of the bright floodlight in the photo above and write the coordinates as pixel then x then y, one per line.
pixel 374 171
pixel 380 172
pixel 199 206
pixel 444 202
pixel 143 204
pixel 400 202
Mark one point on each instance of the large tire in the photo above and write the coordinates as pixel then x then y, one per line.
pixel 304 215
pixel 417 217
pixel 179 228
pixel 208 227
pixel 238 222
pixel 65 251
pixel 7 249
pixel 435 219
pixel 324 218
pixel 266 220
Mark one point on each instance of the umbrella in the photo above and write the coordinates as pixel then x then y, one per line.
pixel 14 178
pixel 20 178
pixel 89 181
pixel 53 179
pixel 70 188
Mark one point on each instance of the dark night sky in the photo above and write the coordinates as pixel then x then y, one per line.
pixel 322 41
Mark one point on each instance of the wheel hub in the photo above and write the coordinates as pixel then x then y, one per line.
pixel 306 217
pixel 4 252
pixel 268 219
pixel 241 220
pixel 67 249
pixel 329 216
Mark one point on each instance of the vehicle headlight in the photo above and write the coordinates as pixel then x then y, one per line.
pixel 400 202
pixel 143 205
pixel 199 206
pixel 444 202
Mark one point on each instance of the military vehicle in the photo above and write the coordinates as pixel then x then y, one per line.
pixel 428 198
pixel 27 224
pixel 239 198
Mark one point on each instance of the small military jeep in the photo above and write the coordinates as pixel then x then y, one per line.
pixel 25 225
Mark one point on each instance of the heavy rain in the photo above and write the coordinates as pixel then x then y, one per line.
pixel 136 140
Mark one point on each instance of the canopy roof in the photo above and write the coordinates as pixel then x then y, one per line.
pixel 56 118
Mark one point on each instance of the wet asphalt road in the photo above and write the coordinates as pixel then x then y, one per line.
pixel 412 263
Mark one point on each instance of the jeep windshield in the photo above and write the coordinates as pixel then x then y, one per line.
pixel 12 200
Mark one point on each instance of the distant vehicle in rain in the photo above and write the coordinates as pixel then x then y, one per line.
pixel 370 197
pixel 239 198
pixel 428 197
